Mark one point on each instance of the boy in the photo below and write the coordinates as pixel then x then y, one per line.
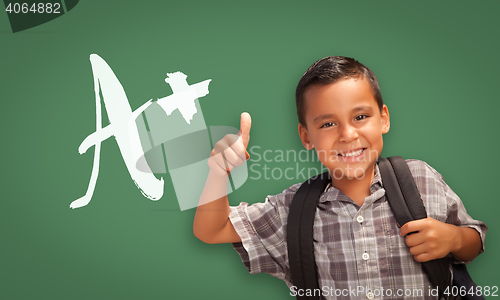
pixel 358 245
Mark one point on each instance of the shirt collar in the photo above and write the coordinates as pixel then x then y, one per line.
pixel 331 193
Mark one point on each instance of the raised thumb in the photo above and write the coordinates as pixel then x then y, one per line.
pixel 245 124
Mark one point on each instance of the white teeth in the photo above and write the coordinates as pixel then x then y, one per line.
pixel 352 154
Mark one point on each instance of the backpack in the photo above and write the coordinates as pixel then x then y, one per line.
pixel 406 204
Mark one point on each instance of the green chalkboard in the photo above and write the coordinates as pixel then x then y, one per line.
pixel 436 62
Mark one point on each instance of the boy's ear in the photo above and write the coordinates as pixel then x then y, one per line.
pixel 304 137
pixel 386 122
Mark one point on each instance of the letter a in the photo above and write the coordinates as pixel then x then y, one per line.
pixel 127 136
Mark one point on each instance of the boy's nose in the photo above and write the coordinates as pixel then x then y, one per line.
pixel 348 134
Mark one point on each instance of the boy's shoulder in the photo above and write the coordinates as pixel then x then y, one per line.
pixel 423 171
pixel 416 163
pixel 293 189
pixel 286 196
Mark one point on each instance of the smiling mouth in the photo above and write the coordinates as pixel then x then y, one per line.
pixel 352 153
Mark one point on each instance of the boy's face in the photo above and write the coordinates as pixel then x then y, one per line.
pixel 345 126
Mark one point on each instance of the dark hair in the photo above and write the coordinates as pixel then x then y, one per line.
pixel 329 70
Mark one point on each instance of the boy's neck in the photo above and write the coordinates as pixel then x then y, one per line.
pixel 355 189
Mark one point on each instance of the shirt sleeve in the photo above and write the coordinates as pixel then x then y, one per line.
pixel 452 210
pixel 262 229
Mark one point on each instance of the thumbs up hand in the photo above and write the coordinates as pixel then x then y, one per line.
pixel 230 151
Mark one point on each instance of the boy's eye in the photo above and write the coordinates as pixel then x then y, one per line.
pixel 360 117
pixel 328 124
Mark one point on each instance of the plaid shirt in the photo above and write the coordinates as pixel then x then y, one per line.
pixel 359 252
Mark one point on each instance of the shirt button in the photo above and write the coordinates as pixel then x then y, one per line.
pixel 370 295
pixel 366 256
pixel 360 219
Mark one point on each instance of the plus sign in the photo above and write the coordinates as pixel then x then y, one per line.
pixel 184 95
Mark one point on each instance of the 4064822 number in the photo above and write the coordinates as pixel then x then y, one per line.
pixel 473 291
pixel 36 8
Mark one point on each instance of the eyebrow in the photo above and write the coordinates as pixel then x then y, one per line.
pixel 355 110
pixel 322 117
pixel 361 108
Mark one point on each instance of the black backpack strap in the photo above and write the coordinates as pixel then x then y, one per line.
pixel 406 204
pixel 300 234
pixel 461 278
